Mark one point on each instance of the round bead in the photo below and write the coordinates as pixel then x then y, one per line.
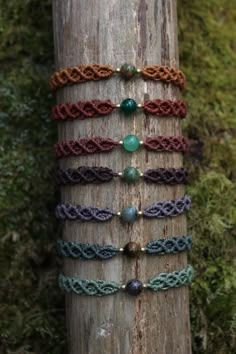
pixel 129 214
pixel 131 143
pixel 127 71
pixel 130 174
pixel 132 249
pixel 134 287
pixel 128 106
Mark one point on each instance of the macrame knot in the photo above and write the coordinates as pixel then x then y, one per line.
pixel 84 146
pixel 163 108
pixel 82 213
pixel 166 143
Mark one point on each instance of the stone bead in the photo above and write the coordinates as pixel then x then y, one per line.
pixel 130 174
pixel 127 71
pixel 132 249
pixel 128 106
pixel 131 143
pixel 129 214
pixel 134 287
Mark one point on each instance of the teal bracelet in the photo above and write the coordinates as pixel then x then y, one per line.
pixel 163 281
pixel 89 251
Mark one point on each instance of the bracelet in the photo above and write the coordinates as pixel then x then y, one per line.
pixel 160 209
pixel 161 282
pixel 96 108
pixel 130 143
pixel 95 72
pixel 88 251
pixel 85 174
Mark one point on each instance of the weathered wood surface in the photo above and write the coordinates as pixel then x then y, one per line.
pixel 113 32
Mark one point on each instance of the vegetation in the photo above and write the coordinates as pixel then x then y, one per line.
pixel 31 307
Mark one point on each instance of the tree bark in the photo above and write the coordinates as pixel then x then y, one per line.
pixel 114 32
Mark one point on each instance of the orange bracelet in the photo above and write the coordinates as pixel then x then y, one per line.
pixel 95 72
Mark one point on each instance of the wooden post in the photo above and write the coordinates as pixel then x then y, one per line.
pixel 114 32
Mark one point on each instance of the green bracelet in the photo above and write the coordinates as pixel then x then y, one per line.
pixel 161 282
pixel 89 251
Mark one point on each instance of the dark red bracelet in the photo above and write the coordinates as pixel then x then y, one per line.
pixel 130 143
pixel 98 108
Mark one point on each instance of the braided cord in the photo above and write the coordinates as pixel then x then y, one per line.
pixel 166 175
pixel 164 281
pixel 89 251
pixel 96 108
pixel 80 74
pixel 165 108
pixel 88 287
pixel 94 72
pixel 90 213
pixel 84 146
pixel 165 74
pixel 169 245
pixel 82 110
pixel 167 208
pixel 85 250
pixel 84 175
pixel 166 143
pixel 82 213
pixel 96 144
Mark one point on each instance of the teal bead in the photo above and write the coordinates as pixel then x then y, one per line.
pixel 127 71
pixel 130 174
pixel 129 215
pixel 131 143
pixel 128 106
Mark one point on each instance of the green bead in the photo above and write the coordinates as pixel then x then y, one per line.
pixel 131 143
pixel 129 215
pixel 127 71
pixel 128 106
pixel 130 174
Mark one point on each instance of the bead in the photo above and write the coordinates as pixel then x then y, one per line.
pixel 134 287
pixel 131 143
pixel 128 106
pixel 130 174
pixel 132 249
pixel 129 214
pixel 127 71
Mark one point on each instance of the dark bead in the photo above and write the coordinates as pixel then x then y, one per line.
pixel 127 71
pixel 129 214
pixel 130 174
pixel 134 287
pixel 132 249
pixel 128 106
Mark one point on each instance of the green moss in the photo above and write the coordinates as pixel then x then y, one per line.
pixel 208 57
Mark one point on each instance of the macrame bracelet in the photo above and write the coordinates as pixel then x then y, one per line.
pixel 132 249
pixel 160 209
pixel 97 108
pixel 130 143
pixel 85 174
pixel 95 72
pixel 161 282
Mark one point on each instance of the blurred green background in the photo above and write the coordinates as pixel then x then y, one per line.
pixel 31 306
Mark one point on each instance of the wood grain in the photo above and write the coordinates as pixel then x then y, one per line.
pixel 113 32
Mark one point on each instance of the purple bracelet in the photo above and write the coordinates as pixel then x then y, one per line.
pixel 160 209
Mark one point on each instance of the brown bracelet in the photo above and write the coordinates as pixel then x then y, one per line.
pixel 95 72
pixel 130 143
pixel 97 108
